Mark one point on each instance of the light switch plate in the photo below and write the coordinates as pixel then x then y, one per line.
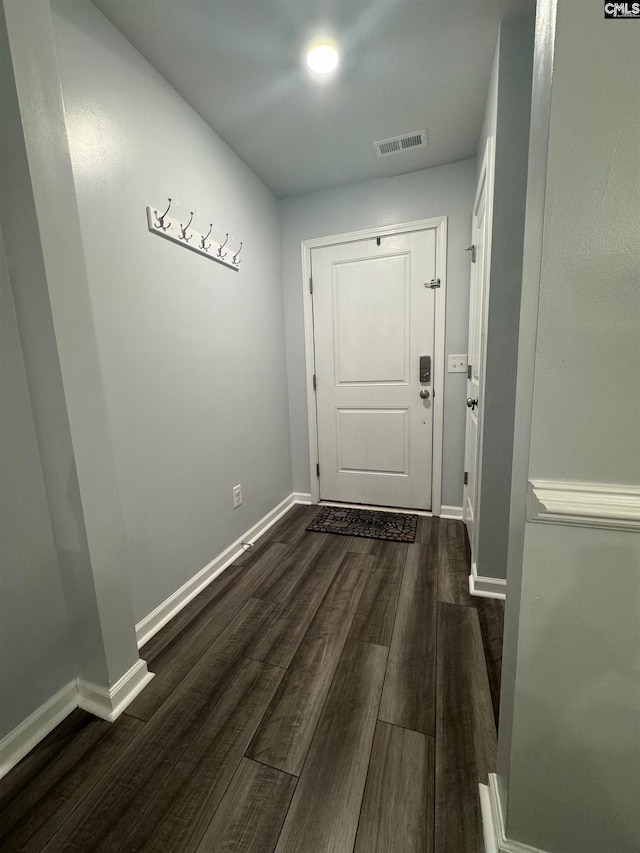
pixel 457 363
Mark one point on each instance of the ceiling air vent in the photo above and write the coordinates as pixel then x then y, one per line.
pixel 398 144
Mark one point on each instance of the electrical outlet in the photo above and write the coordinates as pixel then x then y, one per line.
pixel 457 363
pixel 237 495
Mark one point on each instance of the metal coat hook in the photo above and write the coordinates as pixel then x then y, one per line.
pixel 222 254
pixel 225 252
pixel 160 222
pixel 183 229
pixel 203 240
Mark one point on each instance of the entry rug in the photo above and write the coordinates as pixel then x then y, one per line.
pixel 371 524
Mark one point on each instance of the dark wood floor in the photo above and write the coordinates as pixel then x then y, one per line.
pixel 325 693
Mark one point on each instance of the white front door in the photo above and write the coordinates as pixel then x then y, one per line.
pixel 373 312
pixel 478 301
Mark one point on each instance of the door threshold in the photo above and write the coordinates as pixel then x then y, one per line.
pixel 425 512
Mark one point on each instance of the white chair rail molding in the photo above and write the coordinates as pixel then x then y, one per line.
pixel 599 505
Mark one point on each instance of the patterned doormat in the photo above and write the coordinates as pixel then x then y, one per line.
pixel 371 524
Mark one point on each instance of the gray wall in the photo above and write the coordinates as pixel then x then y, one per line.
pixel 588 334
pixel 192 354
pixel 445 190
pixel 569 742
pixel 509 109
pixel 36 659
pixel 48 275
pixel 490 121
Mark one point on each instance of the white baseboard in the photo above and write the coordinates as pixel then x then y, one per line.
pixel 158 618
pixel 484 587
pixel 109 703
pixel 489 831
pixel 454 512
pixel 37 726
pixel 493 827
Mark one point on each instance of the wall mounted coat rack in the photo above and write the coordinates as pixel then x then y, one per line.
pixel 183 234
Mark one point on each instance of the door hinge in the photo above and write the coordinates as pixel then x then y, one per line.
pixel 317 469
pixel 315 382
pixel 435 282
pixel 310 285
pixel 472 249
pixel 468 371
pixel 466 478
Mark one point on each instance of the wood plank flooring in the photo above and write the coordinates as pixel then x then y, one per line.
pixel 466 740
pixel 409 693
pixel 325 693
pixel 398 800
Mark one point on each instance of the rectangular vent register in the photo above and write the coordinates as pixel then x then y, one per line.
pixel 398 144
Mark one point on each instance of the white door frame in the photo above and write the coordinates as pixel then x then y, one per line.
pixel 486 179
pixel 439 225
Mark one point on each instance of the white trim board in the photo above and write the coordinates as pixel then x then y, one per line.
pixel 439 224
pixel 29 733
pixel 164 612
pixel 452 512
pixel 486 587
pixel 486 185
pixel 493 827
pixel 601 505
pixel 108 704
pixel 103 703
pixel 423 512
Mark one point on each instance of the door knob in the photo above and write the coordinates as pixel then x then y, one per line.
pixel 424 393
pixel 471 403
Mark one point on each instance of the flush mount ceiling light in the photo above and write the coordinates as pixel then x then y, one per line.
pixel 322 58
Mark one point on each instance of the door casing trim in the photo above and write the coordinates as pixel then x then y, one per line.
pixel 439 225
pixel 486 177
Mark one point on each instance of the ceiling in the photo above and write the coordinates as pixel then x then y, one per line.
pixel 406 65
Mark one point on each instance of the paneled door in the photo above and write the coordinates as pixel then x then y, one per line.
pixel 478 301
pixel 373 311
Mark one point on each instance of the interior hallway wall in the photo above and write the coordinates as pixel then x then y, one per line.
pixel 36 658
pixel 506 118
pixel 441 191
pixel 569 739
pixel 41 232
pixel 490 121
pixel 192 353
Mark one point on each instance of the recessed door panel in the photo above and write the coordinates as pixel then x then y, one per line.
pixel 371 335
pixel 373 440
